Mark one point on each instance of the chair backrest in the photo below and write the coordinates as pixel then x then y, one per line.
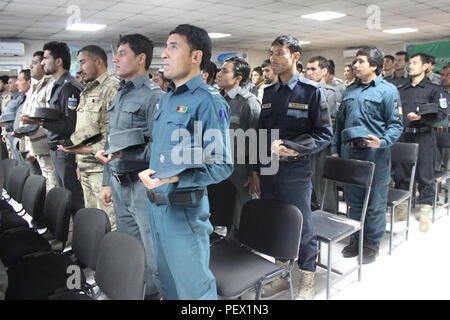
pixel 349 171
pixel 57 210
pixel 442 139
pixel 223 203
pixel 16 182
pixel 89 227
pixel 121 267
pixel 404 152
pixel 271 227
pixel 8 165
pixel 33 197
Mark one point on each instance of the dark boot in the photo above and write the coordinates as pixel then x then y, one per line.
pixel 370 254
pixel 351 250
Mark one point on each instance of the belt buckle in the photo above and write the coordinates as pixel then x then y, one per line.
pixel 155 197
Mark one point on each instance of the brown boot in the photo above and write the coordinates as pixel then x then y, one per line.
pixel 306 286
pixel 401 213
pixel 424 218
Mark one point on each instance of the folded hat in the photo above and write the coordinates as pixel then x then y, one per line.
pixel 120 140
pixel 427 108
pixel 352 133
pixel 27 130
pixel 8 117
pixel 45 114
pixel 85 135
pixel 176 161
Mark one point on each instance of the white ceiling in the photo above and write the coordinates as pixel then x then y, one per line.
pixel 252 23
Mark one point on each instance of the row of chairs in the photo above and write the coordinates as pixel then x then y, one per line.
pixel 35 271
pixel 273 228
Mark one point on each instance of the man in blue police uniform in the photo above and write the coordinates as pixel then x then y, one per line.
pixel 178 208
pixel 133 107
pixel 65 97
pixel 422 108
pixel 369 105
pixel 297 108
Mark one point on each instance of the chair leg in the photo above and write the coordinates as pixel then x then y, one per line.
pixel 435 200
pixel 407 217
pixel 330 266
pixel 360 256
pixel 391 231
pixel 319 252
pixel 291 286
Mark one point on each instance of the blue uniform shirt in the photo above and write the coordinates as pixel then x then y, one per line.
pixel 298 108
pixel 193 102
pixel 374 106
pixel 133 107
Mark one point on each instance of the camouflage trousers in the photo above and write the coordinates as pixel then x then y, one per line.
pixel 45 162
pixel 91 182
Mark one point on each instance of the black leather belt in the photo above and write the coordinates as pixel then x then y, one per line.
pixel 175 198
pixel 296 158
pixel 417 130
pixel 441 129
pixel 356 144
pixel 126 178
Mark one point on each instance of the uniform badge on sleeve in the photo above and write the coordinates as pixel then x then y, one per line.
pixel 72 103
pixel 443 102
pixel 266 106
pixel 398 106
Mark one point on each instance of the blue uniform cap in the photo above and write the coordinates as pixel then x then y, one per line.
pixel 121 140
pixel 352 133
pixel 8 117
pixel 175 162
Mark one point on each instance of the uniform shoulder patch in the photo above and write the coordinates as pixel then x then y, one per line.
pixel 247 95
pixel 210 89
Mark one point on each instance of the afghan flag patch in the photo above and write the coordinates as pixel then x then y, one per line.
pixel 182 109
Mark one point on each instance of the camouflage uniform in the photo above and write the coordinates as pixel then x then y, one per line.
pixel 36 143
pixel 94 100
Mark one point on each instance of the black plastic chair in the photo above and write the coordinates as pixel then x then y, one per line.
pixel 270 227
pixel 33 198
pixel 441 176
pixel 402 153
pixel 8 165
pixel 120 270
pixel 223 205
pixel 15 244
pixel 40 276
pixel 331 228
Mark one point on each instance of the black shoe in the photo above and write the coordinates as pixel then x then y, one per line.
pixel 351 250
pixel 155 296
pixel 370 254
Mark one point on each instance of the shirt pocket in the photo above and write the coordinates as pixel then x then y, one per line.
pixel 178 128
pixel 372 105
pixel 131 116
pixel 297 113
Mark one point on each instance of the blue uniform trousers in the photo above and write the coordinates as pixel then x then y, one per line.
pixel 130 207
pixel 375 222
pixel 181 237
pixel 292 184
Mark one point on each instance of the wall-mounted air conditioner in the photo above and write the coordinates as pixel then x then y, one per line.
pixel 12 49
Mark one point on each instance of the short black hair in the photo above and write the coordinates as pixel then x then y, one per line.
pixel 197 38
pixel 292 43
pixel 432 59
pixel 39 54
pixel 13 77
pixel 258 69
pixel 299 66
pixel 331 67
pixel 266 63
pixel 26 73
pixel 59 50
pixel 4 79
pixel 425 58
pixel 374 57
pixel 211 68
pixel 388 56
pixel 164 79
pixel 403 53
pixel 95 52
pixel 240 68
pixel 139 43
pixel 323 62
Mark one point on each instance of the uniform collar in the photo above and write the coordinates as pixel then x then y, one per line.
pixel 375 82
pixel 100 80
pixel 234 92
pixel 422 83
pixel 14 95
pixel 291 83
pixel 64 78
pixel 136 82
pixel 190 85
